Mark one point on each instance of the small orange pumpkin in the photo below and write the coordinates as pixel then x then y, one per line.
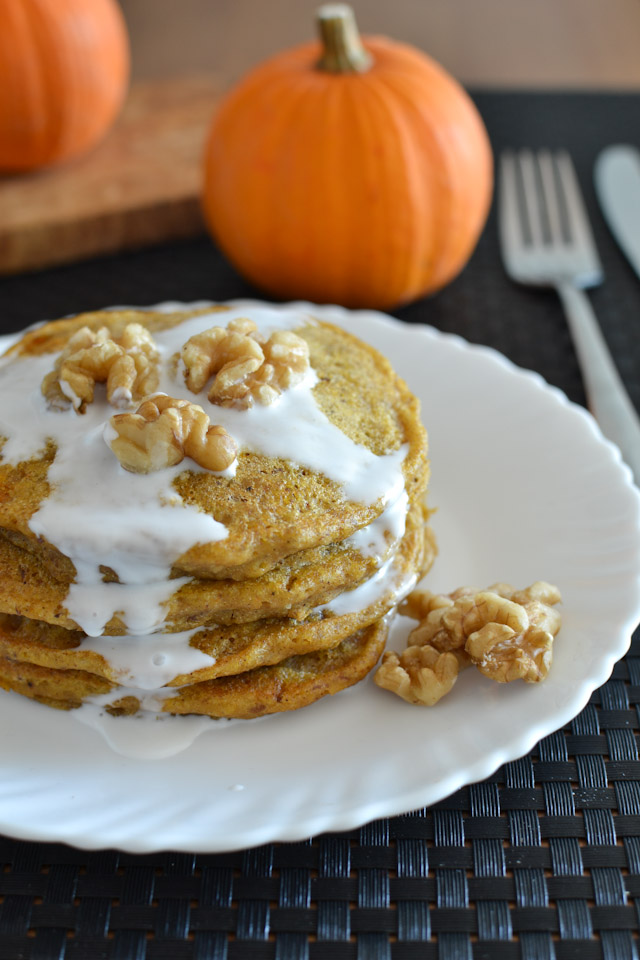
pixel 351 172
pixel 64 68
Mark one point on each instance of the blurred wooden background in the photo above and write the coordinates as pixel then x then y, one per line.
pixel 489 43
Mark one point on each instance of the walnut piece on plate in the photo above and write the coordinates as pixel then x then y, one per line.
pixel 420 674
pixel 506 633
pixel 506 648
pixel 128 365
pixel 163 431
pixel 246 367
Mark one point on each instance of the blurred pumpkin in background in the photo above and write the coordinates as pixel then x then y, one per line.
pixel 349 171
pixel 64 69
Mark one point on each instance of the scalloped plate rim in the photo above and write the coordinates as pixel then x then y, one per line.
pixel 349 817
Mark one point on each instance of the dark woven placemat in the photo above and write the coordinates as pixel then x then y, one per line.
pixel 542 860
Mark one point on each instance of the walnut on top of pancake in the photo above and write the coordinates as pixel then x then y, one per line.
pixel 246 366
pixel 163 431
pixel 127 364
pixel 506 633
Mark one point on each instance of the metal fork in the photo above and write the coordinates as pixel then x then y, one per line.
pixel 546 241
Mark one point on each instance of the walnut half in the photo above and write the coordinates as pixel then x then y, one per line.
pixel 245 366
pixel 420 674
pixel 506 633
pixel 163 431
pixel 521 650
pixel 127 365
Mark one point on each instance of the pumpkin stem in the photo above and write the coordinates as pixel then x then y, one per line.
pixel 343 50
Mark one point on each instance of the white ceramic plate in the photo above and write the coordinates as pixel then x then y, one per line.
pixel 526 488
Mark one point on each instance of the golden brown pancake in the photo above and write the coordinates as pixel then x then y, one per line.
pixel 293 683
pixel 26 589
pixel 272 508
pixel 236 648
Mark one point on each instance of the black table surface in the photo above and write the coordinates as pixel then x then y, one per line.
pixel 540 861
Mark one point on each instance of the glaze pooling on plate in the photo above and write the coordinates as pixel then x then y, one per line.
pixel 151 735
pixel 365 754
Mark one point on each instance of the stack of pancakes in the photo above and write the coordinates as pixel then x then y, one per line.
pixel 251 591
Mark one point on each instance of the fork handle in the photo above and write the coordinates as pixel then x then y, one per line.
pixel 607 397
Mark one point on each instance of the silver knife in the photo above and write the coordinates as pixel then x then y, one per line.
pixel 617 182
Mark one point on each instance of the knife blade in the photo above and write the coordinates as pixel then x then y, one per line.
pixel 617 181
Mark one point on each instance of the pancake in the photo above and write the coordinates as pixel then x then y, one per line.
pixel 272 507
pixel 289 685
pixel 27 590
pixel 210 510
pixel 234 649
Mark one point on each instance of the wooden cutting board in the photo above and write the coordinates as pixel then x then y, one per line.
pixel 140 186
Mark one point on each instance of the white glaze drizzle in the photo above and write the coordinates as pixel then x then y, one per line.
pixel 372 590
pixel 150 662
pixel 141 607
pixel 378 537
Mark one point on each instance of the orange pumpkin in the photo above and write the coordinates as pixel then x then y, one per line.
pixel 351 172
pixel 64 67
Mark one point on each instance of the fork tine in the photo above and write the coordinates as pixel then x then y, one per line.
pixel 508 218
pixel 544 230
pixel 550 193
pixel 531 195
pixel 579 228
